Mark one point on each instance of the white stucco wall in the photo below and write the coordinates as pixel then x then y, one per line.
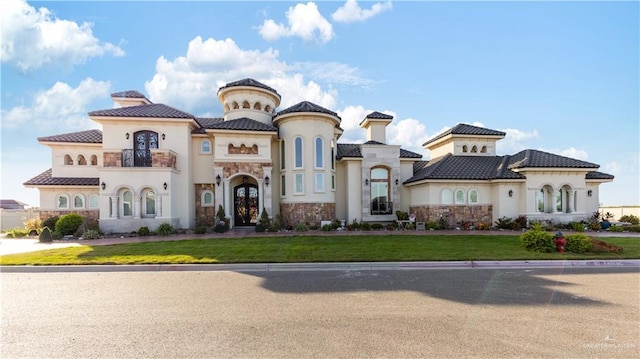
pixel 202 162
pixel 60 169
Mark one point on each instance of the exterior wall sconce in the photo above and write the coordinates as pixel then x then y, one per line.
pixel 397 181
pixel 366 181
pixel 218 180
pixel 510 193
pixel 163 136
pixel 164 185
pixel 590 193
pixel 103 185
pixel 126 135
pixel 266 181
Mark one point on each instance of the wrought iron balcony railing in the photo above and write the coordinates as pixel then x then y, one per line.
pixel 379 207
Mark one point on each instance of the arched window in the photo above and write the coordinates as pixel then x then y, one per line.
pixel 297 152
pixel 226 107
pixel 282 155
pixel 474 149
pixel 245 104
pixel 459 196
pixel 148 203
pixel 333 156
pixel 94 201
pixel 62 201
pixel 81 160
pixel 205 146
pixel 267 108
pixel 319 152
pixel 483 149
pixel 257 106
pixel 235 105
pixel 380 196
pixel 78 201
pixel 446 197
pixel 94 160
pixel 540 200
pixel 207 198
pixel 473 196
pixel 465 149
pixel 127 204
pixel 68 161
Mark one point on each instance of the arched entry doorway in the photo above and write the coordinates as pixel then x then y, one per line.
pixel 245 204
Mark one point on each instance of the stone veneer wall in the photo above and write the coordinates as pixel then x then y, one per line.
pixel 253 168
pixel 205 216
pixel 454 214
pixel 112 159
pixel 312 213
pixel 163 159
pixel 90 213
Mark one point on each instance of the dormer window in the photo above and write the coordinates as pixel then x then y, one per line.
pixel 465 149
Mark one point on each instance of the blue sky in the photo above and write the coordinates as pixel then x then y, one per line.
pixel 555 76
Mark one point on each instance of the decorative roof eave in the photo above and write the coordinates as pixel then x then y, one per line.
pixel 248 83
pixel 79 144
pixel 442 180
pixel 279 118
pixel 450 137
pixel 598 180
pixel 103 119
pixel 553 169
pixel 215 131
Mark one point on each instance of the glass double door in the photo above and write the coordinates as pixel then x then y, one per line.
pixel 246 206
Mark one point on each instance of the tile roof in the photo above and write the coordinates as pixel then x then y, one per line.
pixel 535 158
pixel 243 124
pixel 379 116
pixel 251 83
pixel 90 136
pixel 129 94
pixel 449 167
pixel 355 150
pixel 206 122
pixel 45 179
pixel 306 106
pixel 466 129
pixel 151 110
pixel 595 175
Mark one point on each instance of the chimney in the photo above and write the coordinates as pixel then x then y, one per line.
pixel 375 123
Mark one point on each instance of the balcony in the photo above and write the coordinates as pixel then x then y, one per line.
pixel 141 158
pixel 381 207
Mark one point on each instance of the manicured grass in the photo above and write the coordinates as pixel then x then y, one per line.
pixel 310 249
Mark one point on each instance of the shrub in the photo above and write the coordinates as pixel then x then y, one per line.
pixel 630 218
pixel 91 234
pixel 432 225
pixel 577 226
pixel 273 228
pixel 45 236
pixel 165 229
pixel 365 226
pixel 578 243
pixel 402 216
pixel 504 223
pixel 302 227
pixel 277 222
pixel 336 224
pixel 143 231
pixel 18 233
pixel 327 228
pixel 443 222
pixel 377 226
pixel 520 223
pixel 634 228
pixel 263 222
pixel 221 227
pixel 483 226
pixel 355 225
pixel 201 230
pixel 69 223
pixel 615 229
pixel 537 240
pixel 50 222
pixel 221 215
pixel 33 225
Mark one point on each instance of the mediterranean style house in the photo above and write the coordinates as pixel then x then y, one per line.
pixel 154 164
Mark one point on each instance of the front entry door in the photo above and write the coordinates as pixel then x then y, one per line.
pixel 245 199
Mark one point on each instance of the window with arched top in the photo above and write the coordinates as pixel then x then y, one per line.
pixel 465 149
pixel 81 160
pixel 62 201
pixel 257 106
pixel 245 104
pixel 94 160
pixel 380 194
pixel 78 201
pixel 473 196
pixel 333 156
pixel 319 147
pixel 267 108
pixel 226 107
pixel 483 149
pixel 94 201
pixel 148 203
pixel 474 149
pixel 282 155
pixel 207 198
pixel 459 196
pixel 126 200
pixel 68 161
pixel 235 105
pixel 205 146
pixel 445 196
pixel 297 152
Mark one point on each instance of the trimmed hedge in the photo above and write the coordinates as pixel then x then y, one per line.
pixel 68 224
pixel 578 243
pixel 538 241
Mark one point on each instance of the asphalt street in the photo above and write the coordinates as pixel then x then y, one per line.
pixel 407 313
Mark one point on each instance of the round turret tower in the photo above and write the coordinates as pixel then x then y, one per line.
pixel 249 98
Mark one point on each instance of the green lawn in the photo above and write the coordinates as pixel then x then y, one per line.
pixel 310 249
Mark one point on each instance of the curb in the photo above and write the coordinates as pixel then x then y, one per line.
pixel 314 267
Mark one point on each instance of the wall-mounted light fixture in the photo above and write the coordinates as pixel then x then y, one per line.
pixel 397 181
pixel 103 185
pixel 218 180
pixel 163 136
pixel 164 185
pixel 266 181
pixel 126 135
pixel 366 181
pixel 590 193
pixel 510 193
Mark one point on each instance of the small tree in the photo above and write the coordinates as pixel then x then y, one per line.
pixel 221 215
pixel 69 223
pixel 45 235
pixel 630 218
pixel 264 222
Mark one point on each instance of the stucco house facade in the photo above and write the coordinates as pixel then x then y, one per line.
pixel 154 164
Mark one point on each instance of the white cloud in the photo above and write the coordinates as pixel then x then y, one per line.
pixel 575 153
pixel 352 12
pixel 410 133
pixel 60 106
pixel 333 73
pixel 613 168
pixel 304 21
pixel 515 140
pixel 191 82
pixel 33 38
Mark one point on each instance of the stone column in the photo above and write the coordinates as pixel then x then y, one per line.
pixel 571 199
pixel 226 193
pixel 114 206
pixel 137 206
